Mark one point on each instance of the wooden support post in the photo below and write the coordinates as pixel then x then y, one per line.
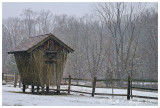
pixel 69 84
pixel 15 79
pixel 32 89
pixel 47 90
pixel 27 86
pixel 6 78
pixel 131 88
pixel 19 81
pixel 94 85
pixel 112 88
pixel 24 87
pixel 58 89
pixel 37 89
pixel 42 90
pixel 2 76
pixel 128 89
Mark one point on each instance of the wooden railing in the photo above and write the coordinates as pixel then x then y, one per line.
pixel 129 86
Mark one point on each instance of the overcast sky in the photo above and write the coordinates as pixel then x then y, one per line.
pixel 13 9
pixel 10 9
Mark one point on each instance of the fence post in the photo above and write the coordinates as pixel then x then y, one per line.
pixel 47 90
pixel 42 90
pixel 131 87
pixel 2 76
pixel 24 87
pixel 58 89
pixel 19 81
pixel 37 89
pixel 128 89
pixel 69 84
pixel 32 89
pixel 6 78
pixel 15 79
pixel 94 85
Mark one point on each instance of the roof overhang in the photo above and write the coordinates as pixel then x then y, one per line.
pixel 50 36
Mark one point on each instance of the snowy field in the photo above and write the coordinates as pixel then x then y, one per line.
pixel 11 97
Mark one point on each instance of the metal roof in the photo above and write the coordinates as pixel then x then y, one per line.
pixel 31 42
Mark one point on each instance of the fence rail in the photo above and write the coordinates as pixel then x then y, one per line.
pixel 78 79
pixel 112 80
pixel 142 88
pixel 145 97
pixel 128 87
pixel 81 85
pixel 110 94
pixel 80 92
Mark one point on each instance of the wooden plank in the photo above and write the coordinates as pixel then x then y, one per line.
pixel 47 51
pixel 63 90
pixel 47 90
pixel 114 87
pixel 128 88
pixel 52 60
pixel 2 76
pixel 141 80
pixel 80 92
pixel 113 80
pixel 94 86
pixel 24 87
pixel 33 89
pixel 110 94
pixel 82 79
pixel 145 97
pixel 15 80
pixel 19 81
pixel 37 89
pixel 125 80
pixel 64 84
pixel 65 78
pixel 78 79
pixel 142 88
pixel 59 90
pixel 69 84
pixel 42 90
pixel 81 85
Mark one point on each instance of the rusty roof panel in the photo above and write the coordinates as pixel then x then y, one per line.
pixel 32 41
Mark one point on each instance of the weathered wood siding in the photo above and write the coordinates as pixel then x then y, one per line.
pixel 34 69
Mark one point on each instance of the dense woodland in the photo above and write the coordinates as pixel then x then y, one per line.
pixel 116 40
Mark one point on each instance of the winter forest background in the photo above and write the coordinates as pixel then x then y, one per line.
pixel 116 40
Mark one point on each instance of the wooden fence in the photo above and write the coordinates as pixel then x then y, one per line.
pixel 128 87
pixel 11 79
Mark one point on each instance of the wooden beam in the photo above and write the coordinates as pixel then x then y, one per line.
pixel 58 89
pixel 145 97
pixel 69 84
pixel 24 87
pixel 47 90
pixel 37 89
pixel 32 89
pixel 128 89
pixel 94 86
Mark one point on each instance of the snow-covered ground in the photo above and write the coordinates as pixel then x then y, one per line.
pixel 11 97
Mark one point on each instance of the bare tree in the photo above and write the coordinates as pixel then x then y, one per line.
pixel 149 45
pixel 29 21
pixel 94 47
pixel 121 20
pixel 43 20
